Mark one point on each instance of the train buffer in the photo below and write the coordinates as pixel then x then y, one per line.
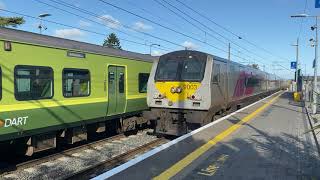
pixel 265 140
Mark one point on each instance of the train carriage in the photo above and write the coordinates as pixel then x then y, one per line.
pixel 56 88
pixel 186 89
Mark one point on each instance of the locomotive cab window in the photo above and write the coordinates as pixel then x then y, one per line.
pixel 76 82
pixel 192 70
pixel 143 82
pixel 33 82
pixel 216 73
pixel 180 69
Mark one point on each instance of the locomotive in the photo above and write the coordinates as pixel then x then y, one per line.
pixel 186 89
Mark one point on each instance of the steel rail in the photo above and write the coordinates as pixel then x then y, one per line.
pixel 101 167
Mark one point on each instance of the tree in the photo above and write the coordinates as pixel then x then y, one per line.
pixel 11 21
pixel 112 41
pixel 256 66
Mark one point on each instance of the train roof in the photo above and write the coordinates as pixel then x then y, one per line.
pixel 216 58
pixel 44 40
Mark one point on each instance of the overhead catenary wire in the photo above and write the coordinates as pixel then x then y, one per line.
pixel 88 19
pixel 222 27
pixel 69 26
pixel 166 27
pixel 222 35
pixel 125 26
pixel 167 21
pixel 104 34
pixel 250 57
pixel 190 22
pixel 231 32
pixel 163 26
pixel 207 27
pixel 160 18
pixel 111 21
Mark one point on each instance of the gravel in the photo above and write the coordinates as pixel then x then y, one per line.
pixel 58 168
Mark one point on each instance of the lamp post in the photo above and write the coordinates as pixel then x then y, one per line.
pixel 297 62
pixel 150 46
pixel 41 26
pixel 314 91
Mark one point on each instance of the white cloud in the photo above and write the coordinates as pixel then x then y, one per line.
pixel 190 45
pixel 140 26
pixel 156 53
pixel 84 23
pixel 73 33
pixel 110 21
pixel 2 5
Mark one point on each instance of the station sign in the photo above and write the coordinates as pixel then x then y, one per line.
pixel 317 5
pixel 293 65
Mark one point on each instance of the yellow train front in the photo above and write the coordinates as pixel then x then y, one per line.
pixel 186 89
pixel 176 91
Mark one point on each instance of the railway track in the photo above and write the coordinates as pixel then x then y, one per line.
pixel 81 160
pixel 40 160
pixel 93 171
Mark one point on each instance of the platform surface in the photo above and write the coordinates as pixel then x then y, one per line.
pixel 264 141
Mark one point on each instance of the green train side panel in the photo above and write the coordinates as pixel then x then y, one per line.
pixel 61 111
pixel 48 117
pixel 136 104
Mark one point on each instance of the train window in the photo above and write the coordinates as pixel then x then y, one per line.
pixel 216 73
pixel 180 69
pixel 167 70
pixel 33 82
pixel 143 82
pixel 121 83
pixel 193 70
pixel 76 82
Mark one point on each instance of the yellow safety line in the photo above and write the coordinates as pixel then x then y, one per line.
pixel 176 168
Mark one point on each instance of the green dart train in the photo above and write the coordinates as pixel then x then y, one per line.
pixel 54 89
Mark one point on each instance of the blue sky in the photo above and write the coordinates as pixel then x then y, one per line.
pixel 265 23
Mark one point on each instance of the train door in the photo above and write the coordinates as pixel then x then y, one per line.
pixel 219 82
pixel 224 81
pixel 116 90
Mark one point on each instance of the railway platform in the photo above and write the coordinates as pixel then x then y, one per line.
pixel 266 140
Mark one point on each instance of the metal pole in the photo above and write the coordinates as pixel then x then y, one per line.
pixel 314 104
pixel 297 61
pixel 229 52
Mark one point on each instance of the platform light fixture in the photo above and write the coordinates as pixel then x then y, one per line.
pixel 41 26
pixel 150 46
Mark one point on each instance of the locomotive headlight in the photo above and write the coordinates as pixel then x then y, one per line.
pixel 176 90
pixel 195 97
pixel 173 90
pixel 179 90
pixel 159 96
